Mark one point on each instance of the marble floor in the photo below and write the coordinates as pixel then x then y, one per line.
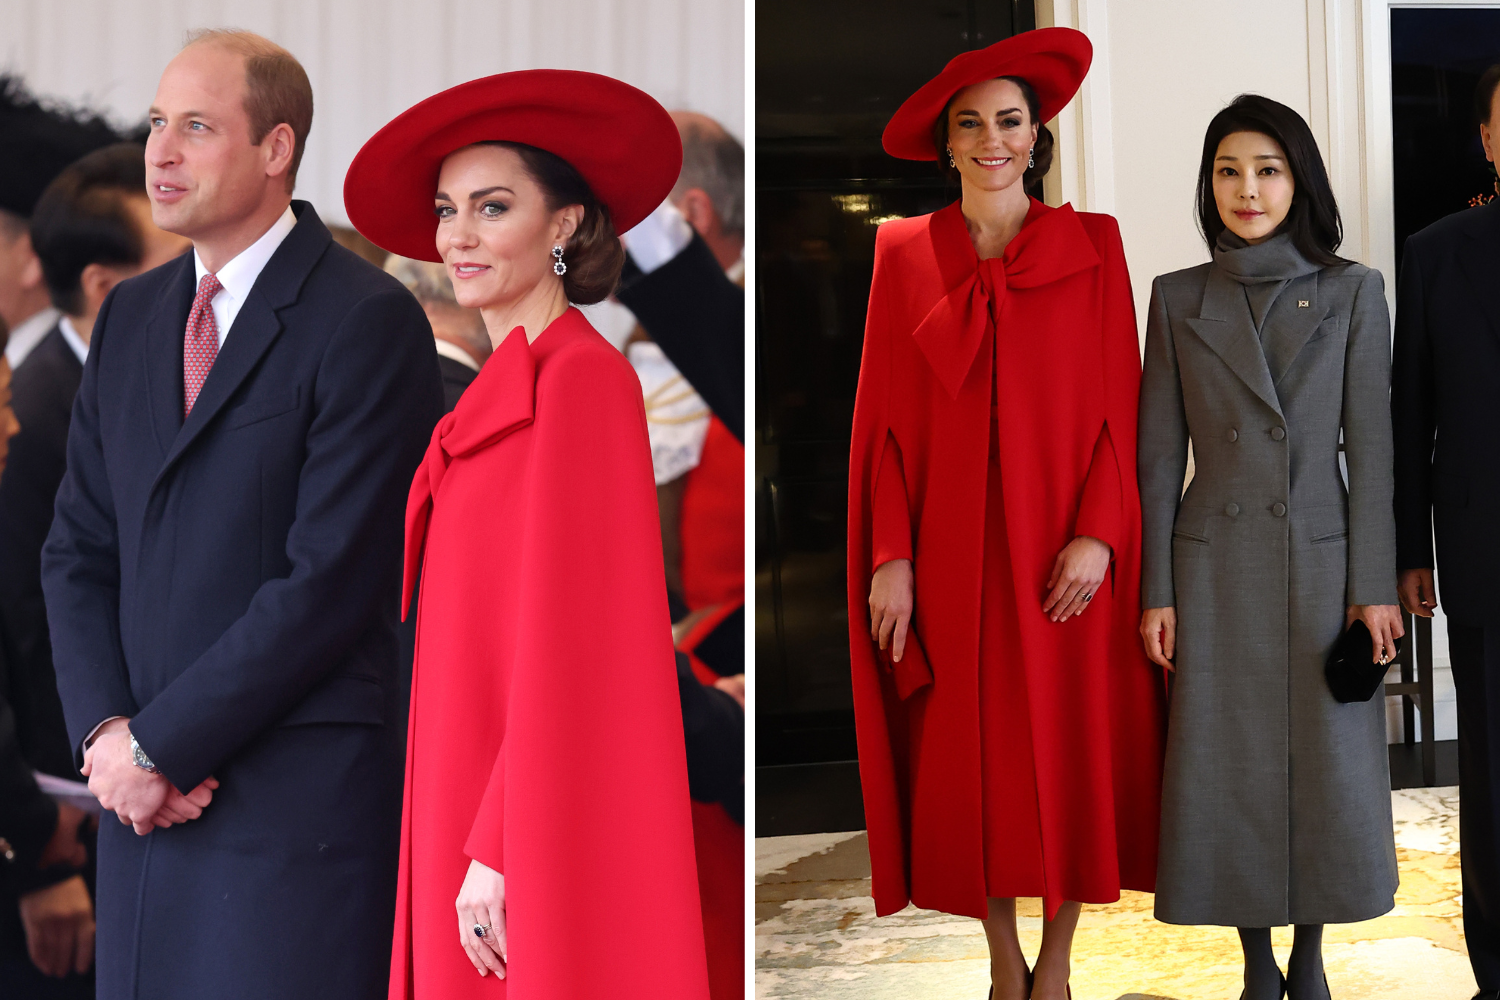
pixel 817 934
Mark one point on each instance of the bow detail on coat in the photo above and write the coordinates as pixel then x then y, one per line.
pixel 1051 245
pixel 500 400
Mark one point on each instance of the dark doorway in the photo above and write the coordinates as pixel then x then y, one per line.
pixel 829 76
pixel 1437 57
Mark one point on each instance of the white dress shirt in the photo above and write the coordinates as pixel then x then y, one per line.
pixel 448 349
pixel 71 338
pixel 238 276
pixel 27 334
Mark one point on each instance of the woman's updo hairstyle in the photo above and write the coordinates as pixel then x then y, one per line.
pixel 1031 180
pixel 594 254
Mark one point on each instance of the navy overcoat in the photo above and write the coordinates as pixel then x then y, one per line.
pixel 231 583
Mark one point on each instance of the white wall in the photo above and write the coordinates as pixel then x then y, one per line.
pixel 371 59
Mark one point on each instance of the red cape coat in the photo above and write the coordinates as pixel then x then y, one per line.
pixel 1067 376
pixel 546 734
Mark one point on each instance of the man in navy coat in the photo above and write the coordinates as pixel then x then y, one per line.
pixel 222 574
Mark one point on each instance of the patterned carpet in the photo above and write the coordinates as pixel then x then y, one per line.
pixel 817 935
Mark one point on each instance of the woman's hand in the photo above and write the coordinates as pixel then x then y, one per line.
pixel 1076 575
pixel 1384 623
pixel 482 901
pixel 1159 633
pixel 891 604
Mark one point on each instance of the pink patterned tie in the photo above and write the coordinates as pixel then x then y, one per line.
pixel 201 345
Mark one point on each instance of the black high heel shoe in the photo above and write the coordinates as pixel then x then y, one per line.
pixel 1283 988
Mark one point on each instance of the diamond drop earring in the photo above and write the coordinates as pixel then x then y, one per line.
pixel 951 161
pixel 558 267
pixel 1031 157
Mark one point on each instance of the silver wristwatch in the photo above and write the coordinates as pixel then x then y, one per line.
pixel 140 758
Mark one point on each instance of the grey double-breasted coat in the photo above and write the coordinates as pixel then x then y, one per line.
pixel 1276 799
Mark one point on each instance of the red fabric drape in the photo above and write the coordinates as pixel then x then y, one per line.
pixel 546 735
pixel 1065 378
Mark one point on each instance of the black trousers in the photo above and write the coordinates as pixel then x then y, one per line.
pixel 1475 652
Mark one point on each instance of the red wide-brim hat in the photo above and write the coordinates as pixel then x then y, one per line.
pixel 628 152
pixel 1053 60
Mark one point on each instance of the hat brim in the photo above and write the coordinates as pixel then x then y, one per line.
pixel 1053 60
pixel 630 157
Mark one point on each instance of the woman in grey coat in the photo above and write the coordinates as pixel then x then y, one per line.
pixel 1276 800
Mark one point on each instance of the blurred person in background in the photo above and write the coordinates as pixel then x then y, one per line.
pixel 222 569
pixel 36 142
pixel 47 942
pixel 458 333
pixel 90 230
pixel 675 279
pixel 700 475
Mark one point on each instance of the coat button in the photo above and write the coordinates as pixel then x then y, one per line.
pixel 1279 509
pixel 1233 435
pixel 1277 433
pixel 1232 509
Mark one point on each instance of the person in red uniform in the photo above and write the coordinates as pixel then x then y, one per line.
pixel 1010 729
pixel 546 785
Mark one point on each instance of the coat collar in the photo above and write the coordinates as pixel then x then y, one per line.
pixel 500 401
pixel 1051 245
pixel 1481 262
pixel 1224 323
pixel 255 329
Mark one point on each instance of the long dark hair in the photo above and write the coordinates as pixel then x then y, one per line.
pixel 1313 220
pixel 1031 179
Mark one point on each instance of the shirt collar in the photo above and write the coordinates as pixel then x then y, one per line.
pixel 450 350
pixel 72 339
pixel 238 276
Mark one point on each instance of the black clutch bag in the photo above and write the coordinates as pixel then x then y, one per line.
pixel 1352 676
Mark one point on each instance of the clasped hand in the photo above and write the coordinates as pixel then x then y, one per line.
pixel 141 800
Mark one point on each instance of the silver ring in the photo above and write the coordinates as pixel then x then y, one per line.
pixel 480 930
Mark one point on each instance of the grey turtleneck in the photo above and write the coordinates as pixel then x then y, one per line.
pixel 1263 270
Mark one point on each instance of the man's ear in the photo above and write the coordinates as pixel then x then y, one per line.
pixel 698 209
pixel 31 272
pixel 97 280
pixel 279 145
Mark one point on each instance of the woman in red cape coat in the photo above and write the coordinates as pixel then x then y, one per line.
pixel 546 844
pixel 1030 764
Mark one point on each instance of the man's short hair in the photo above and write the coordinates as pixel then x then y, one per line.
pixel 83 218
pixel 1484 94
pixel 38 138
pixel 714 161
pixel 276 87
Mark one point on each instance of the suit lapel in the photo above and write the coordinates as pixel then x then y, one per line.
pixel 1226 326
pixel 163 356
pixel 255 328
pixel 1291 323
pixel 1481 262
